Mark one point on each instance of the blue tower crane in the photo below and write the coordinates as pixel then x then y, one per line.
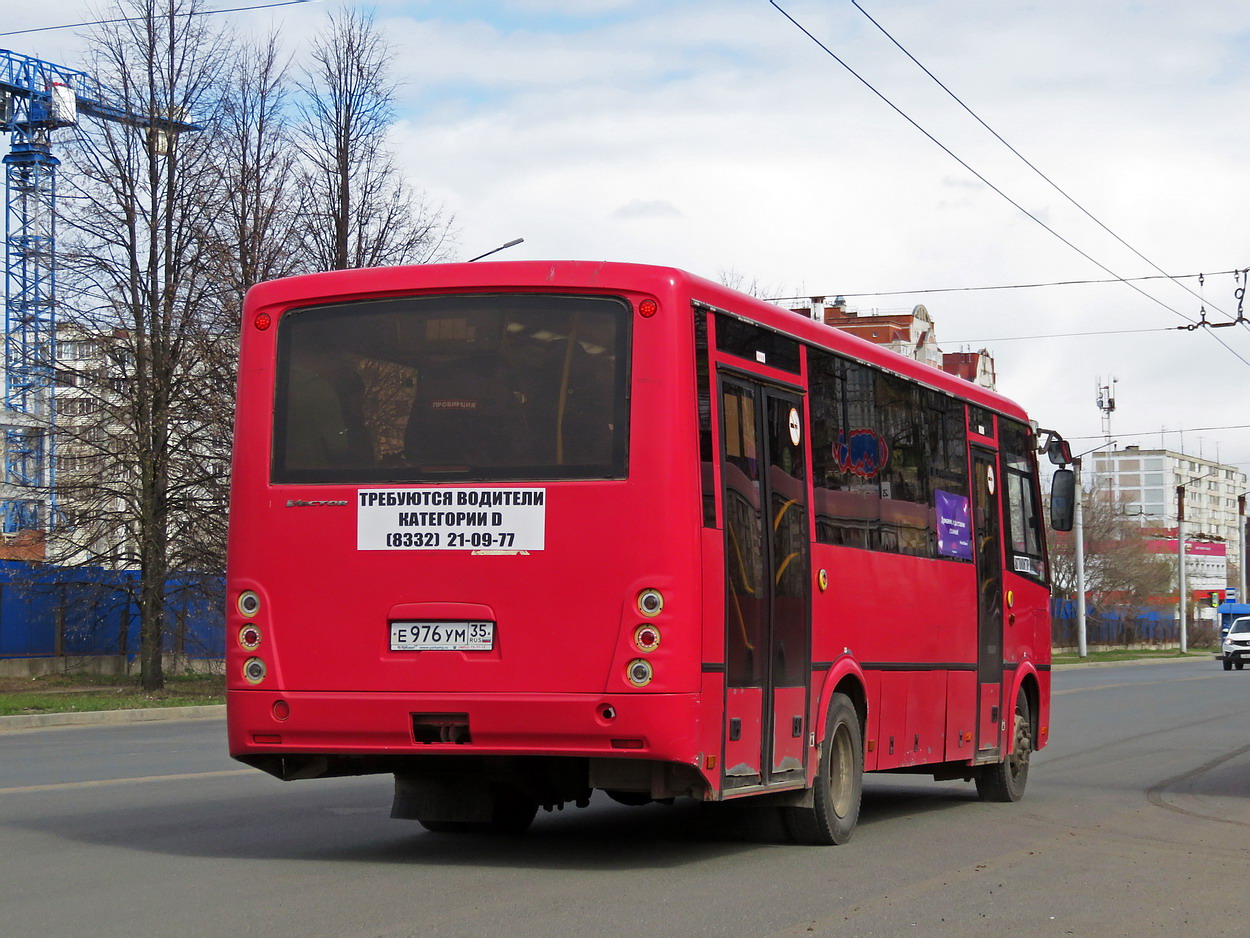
pixel 37 98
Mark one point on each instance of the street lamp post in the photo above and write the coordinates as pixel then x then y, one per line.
pixel 503 247
pixel 1180 553
pixel 1078 533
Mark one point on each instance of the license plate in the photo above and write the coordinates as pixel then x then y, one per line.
pixel 442 636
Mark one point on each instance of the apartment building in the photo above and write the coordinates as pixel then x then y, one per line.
pixel 1144 482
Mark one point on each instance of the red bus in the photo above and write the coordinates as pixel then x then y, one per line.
pixel 515 532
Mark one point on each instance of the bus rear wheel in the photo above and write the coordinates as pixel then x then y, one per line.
pixel 511 811
pixel 839 783
pixel 1005 781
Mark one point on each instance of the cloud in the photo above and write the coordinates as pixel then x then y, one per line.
pixel 647 209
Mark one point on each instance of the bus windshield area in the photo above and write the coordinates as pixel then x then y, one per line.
pixel 448 388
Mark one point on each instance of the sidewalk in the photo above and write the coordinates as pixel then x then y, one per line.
pixel 35 721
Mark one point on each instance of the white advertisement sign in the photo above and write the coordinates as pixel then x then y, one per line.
pixel 488 519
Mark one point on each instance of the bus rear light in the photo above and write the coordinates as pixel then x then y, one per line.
pixel 628 744
pixel 647 638
pixel 267 739
pixel 638 672
pixel 254 670
pixel 249 603
pixel 262 321
pixel 650 603
pixel 281 710
pixel 648 308
pixel 249 636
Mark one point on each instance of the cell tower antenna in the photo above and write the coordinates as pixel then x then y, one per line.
pixel 1106 403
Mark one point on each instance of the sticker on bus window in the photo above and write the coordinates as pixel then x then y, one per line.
pixel 954 522
pixel 506 520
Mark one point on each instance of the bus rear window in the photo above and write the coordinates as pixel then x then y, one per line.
pixel 447 388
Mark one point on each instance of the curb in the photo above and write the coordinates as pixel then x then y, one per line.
pixel 110 717
pixel 1072 665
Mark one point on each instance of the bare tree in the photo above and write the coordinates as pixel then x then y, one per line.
pixel 1121 571
pixel 257 234
pixel 358 210
pixel 140 297
pixel 253 237
pixel 736 280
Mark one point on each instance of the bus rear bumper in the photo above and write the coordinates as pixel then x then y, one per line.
pixel 660 727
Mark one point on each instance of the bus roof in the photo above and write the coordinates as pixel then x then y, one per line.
pixel 345 285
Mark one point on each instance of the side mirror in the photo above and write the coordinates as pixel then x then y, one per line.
pixel 1062 499
pixel 1058 452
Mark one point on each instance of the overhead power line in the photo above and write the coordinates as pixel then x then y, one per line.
pixel 131 19
pixel 1056 335
pixel 997 136
pixel 947 150
pixel 1243 426
pixel 1011 286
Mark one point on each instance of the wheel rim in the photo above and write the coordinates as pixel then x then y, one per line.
pixel 1019 761
pixel 841 771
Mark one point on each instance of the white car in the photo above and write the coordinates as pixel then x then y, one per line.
pixel 1236 647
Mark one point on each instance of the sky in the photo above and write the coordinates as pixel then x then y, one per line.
pixel 719 138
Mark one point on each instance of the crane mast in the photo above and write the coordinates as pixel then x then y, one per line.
pixel 36 99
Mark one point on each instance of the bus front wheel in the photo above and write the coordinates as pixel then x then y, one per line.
pixel 839 782
pixel 1005 781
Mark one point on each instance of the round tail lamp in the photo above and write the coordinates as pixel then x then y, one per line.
pixel 650 603
pixel 638 672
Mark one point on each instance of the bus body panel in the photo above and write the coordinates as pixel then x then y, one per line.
pixel 564 615
pixel 898 633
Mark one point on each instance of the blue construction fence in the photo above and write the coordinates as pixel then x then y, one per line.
pixel 1125 627
pixel 49 611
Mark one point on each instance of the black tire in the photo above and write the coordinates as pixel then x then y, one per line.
pixel 839 783
pixel 1228 665
pixel 1005 781
pixel 1239 664
pixel 513 812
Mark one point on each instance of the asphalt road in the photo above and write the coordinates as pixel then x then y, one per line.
pixel 1136 822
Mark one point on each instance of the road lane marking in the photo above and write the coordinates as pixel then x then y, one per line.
pixel 102 782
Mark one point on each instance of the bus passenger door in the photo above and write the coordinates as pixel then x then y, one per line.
pixel 988 534
pixel 768 593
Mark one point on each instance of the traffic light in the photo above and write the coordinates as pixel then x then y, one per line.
pixel 1215 599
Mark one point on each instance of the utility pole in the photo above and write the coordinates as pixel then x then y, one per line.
pixel 1180 568
pixel 1241 548
pixel 1078 532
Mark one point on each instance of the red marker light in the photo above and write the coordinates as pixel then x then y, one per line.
pixel 647 638
pixel 648 308
pixel 262 321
